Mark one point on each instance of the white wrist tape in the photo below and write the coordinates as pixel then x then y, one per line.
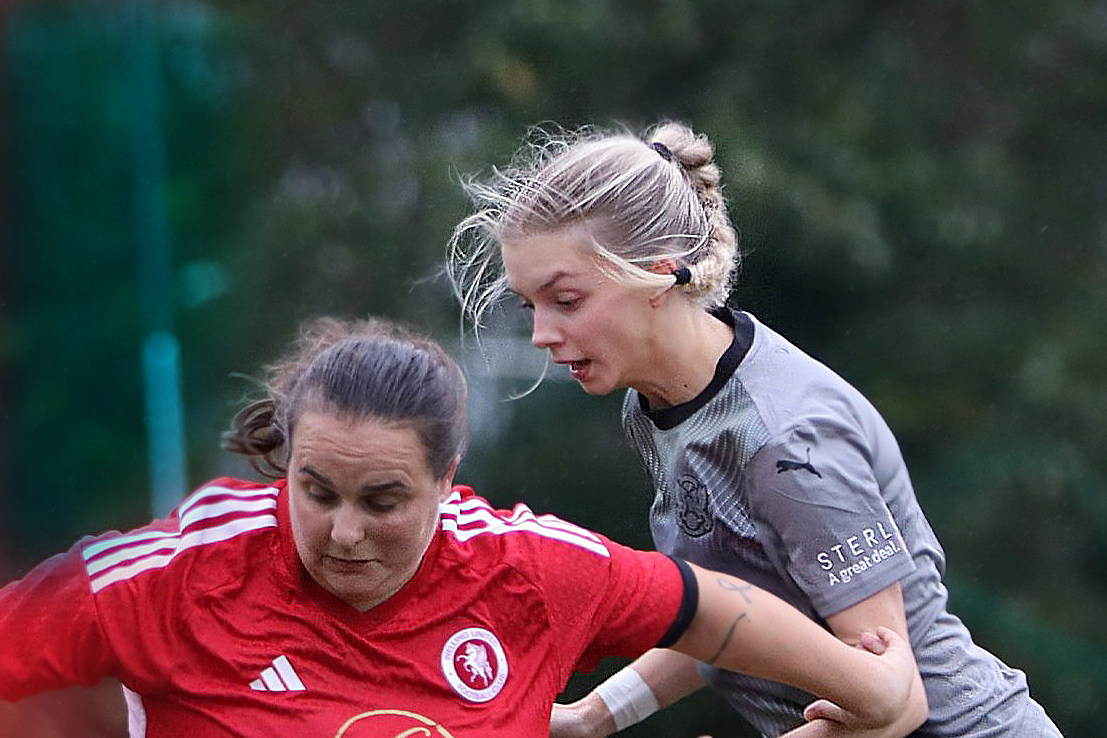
pixel 627 696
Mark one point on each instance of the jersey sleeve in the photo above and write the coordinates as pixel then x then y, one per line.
pixel 611 600
pixel 827 524
pixel 50 634
pixel 79 617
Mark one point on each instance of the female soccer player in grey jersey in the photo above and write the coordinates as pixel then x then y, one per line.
pixel 766 464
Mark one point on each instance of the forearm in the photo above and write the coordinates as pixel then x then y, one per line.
pixel 671 675
pixel 743 628
pixel 656 680
pixel 829 721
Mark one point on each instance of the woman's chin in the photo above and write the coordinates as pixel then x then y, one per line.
pixel 595 386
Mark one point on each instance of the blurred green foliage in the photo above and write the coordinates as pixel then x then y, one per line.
pixel 921 189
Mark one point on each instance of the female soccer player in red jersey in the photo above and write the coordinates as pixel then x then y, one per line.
pixel 363 594
pixel 765 463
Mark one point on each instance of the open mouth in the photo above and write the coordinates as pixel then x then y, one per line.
pixel 579 369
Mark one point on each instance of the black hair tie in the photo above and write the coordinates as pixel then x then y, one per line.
pixel 663 150
pixel 683 275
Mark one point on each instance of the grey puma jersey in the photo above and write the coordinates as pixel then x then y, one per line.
pixel 783 474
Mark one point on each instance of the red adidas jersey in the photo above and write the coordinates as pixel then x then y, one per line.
pixel 215 628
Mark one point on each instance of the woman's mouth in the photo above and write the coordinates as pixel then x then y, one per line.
pixel 345 565
pixel 579 369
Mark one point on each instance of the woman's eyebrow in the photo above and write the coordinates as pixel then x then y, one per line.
pixel 554 279
pixel 317 476
pixel 322 479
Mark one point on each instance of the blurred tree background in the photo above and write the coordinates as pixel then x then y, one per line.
pixel 921 189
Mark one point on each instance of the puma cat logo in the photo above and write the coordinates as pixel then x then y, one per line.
pixel 783 465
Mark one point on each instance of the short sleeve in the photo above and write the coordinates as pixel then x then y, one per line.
pixel 50 630
pixel 72 621
pixel 816 498
pixel 621 602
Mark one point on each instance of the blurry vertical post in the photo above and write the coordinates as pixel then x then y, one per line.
pixel 160 352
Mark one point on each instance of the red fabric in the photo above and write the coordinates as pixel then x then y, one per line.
pixel 192 611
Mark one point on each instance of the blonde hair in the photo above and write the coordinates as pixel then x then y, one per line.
pixel 642 199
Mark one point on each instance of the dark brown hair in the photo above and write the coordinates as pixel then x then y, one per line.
pixel 357 369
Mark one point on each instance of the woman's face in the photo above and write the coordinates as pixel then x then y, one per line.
pixel 363 504
pixel 600 329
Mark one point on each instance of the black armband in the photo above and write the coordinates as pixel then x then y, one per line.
pixel 689 603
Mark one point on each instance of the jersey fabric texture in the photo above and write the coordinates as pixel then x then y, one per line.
pixel 783 474
pixel 215 629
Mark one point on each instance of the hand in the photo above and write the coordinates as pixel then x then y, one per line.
pixel 912 709
pixel 581 719
pixel 900 682
pixel 828 720
pixel 874 643
pixel 566 722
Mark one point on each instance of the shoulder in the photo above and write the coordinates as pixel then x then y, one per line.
pixel 223 514
pixel 790 387
pixel 471 522
pixel 566 562
pixel 770 350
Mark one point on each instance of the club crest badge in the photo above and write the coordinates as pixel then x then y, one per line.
pixel 694 516
pixel 474 663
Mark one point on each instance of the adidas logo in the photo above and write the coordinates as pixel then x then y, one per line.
pixel 280 677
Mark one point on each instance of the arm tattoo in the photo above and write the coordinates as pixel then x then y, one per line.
pixel 726 640
pixel 742 588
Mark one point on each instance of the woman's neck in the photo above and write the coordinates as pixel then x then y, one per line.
pixel 684 353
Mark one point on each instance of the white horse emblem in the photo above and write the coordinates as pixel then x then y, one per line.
pixel 475 660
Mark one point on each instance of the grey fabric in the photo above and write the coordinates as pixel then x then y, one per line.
pixel 785 475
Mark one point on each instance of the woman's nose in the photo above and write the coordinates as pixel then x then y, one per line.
pixel 544 332
pixel 346 528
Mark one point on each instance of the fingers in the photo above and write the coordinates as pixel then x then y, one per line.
pixel 826 710
pixel 873 643
pixel 881 640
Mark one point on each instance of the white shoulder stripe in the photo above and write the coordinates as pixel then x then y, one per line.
pixel 218 491
pixel 207 512
pixel 95 549
pixel 258 499
pixel 450 525
pixel 522 515
pixel 467 519
pixel 243 510
pixel 157 560
pixel 123 548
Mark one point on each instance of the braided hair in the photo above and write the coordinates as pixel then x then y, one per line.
pixel 642 199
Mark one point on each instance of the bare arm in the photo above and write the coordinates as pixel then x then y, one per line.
pixel 743 628
pixel 669 675
pixel 884 609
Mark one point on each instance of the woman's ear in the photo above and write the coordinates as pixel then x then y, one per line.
pixel 661 267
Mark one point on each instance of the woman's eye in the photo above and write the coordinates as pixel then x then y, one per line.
pixel 381 505
pixel 319 494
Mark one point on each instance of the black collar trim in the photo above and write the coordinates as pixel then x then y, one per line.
pixel 667 418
